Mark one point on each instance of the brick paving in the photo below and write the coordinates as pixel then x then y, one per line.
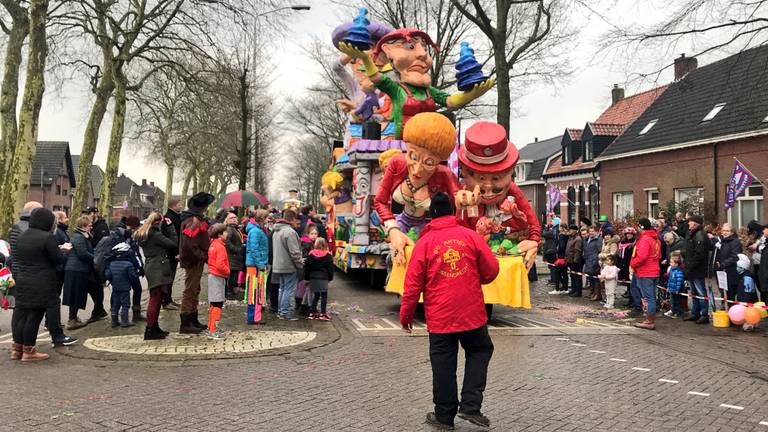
pixel 354 383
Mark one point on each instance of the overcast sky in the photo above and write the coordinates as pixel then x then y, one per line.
pixel 544 112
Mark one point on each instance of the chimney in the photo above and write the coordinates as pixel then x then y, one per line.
pixel 535 139
pixel 684 65
pixel 143 182
pixel 617 94
pixel 152 184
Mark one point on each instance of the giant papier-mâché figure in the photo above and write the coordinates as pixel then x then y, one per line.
pixel 408 52
pixel 413 177
pixel 487 163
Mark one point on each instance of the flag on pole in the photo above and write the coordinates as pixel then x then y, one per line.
pixel 741 179
pixel 553 197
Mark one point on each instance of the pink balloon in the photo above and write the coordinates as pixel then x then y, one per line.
pixel 736 314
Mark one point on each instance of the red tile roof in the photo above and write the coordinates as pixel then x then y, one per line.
pixel 606 129
pixel 627 110
pixel 575 133
pixel 556 167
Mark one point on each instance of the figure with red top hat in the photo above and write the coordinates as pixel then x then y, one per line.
pixel 486 163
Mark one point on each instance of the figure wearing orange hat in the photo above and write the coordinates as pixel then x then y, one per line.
pixel 486 162
pixel 408 52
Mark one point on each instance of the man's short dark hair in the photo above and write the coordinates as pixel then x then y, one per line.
pixel 132 221
pixel 307 209
pixel 440 206
pixel 173 202
pixel 289 215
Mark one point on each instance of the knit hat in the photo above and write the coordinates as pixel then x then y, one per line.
pixel 644 223
pixel 42 219
pixel 440 206
pixel 696 218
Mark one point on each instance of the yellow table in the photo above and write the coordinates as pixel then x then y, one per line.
pixel 510 288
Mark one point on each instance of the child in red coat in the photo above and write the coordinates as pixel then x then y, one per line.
pixel 218 272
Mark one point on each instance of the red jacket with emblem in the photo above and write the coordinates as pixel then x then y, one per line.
pixel 218 262
pixel 442 180
pixel 448 265
pixel 645 257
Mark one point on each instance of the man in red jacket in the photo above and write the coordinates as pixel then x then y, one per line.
pixel 448 266
pixel 645 265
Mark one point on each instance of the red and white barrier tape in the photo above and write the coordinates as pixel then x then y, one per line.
pixel 736 302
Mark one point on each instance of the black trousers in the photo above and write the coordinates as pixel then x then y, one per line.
pixel 322 297
pixel 25 323
pixel 576 281
pixel 168 294
pixel 561 277
pixel 53 314
pixel 274 297
pixel 443 353
pixel 96 291
pixel 550 260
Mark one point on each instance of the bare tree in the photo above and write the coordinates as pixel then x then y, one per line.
pixel 16 34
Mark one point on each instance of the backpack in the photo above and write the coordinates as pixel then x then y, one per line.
pixel 103 253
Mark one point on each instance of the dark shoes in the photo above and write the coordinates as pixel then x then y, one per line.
pixel 188 326
pixel 65 341
pixel 137 316
pixel 702 320
pixel 154 333
pixel 574 294
pixel 475 418
pixel 97 316
pixel 433 421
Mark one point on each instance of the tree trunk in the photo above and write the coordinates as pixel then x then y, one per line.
pixel 16 182
pixel 502 83
pixel 115 146
pixel 196 182
pixel 10 91
pixel 243 131
pixel 90 140
pixel 169 168
pixel 185 187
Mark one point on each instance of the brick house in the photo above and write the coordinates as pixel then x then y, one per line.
pixel 530 167
pixel 575 170
pixel 52 177
pixel 682 148
pixel 93 187
pixel 130 198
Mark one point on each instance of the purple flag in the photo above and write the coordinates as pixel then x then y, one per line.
pixel 741 179
pixel 553 197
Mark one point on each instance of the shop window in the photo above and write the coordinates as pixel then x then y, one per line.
pixel 748 207
pixel 623 205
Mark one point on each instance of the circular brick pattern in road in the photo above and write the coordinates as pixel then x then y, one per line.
pixel 237 342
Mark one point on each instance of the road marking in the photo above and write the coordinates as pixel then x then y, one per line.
pixel 736 407
pixel 393 325
pixel 641 369
pixel 764 423
pixel 698 394
pixel 617 360
pixel 597 352
pixel 6 336
pixel 562 339
pixel 664 380
pixel 578 344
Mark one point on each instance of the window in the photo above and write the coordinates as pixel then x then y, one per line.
pixel 521 171
pixel 594 203
pixel 588 151
pixel 622 205
pixel 713 113
pixel 582 199
pixel 690 199
pixel 653 203
pixel 648 126
pixel 64 192
pixel 571 205
pixel 566 155
pixel 58 189
pixel 748 207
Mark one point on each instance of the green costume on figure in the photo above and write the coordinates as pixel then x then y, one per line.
pixel 399 94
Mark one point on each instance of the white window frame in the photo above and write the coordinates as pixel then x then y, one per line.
pixel 567 155
pixel 651 201
pixel 589 151
pixel 521 172
pixel 648 127
pixel 713 112
pixel 734 213
pixel 623 207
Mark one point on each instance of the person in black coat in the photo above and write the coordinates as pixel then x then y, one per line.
pixel 37 256
pixel 697 248
pixel 158 239
pixel 235 251
pixel 173 214
pixel 549 251
pixel 727 249
pixel 99 228
pixel 318 270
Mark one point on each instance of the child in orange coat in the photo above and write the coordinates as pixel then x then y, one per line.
pixel 218 272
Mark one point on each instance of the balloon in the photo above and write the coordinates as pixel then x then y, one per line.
pixel 736 314
pixel 763 312
pixel 752 316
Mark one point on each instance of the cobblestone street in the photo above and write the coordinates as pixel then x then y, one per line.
pixel 556 367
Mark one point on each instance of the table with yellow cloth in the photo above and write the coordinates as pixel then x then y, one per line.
pixel 510 288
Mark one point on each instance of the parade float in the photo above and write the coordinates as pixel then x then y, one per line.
pixel 394 155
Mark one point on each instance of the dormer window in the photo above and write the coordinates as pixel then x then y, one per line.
pixel 648 126
pixel 566 155
pixel 713 113
pixel 588 151
pixel 521 172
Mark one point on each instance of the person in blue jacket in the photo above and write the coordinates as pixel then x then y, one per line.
pixel 123 274
pixel 256 260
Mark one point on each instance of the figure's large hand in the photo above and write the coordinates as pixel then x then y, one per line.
pixel 371 70
pixel 459 99
pixel 351 51
pixel 465 198
pixel 528 248
pixel 346 105
pixel 397 242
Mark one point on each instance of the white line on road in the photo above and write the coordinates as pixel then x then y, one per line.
pixel 641 369
pixel 764 423
pixel 664 380
pixel 736 407
pixel 391 324
pixel 8 335
pixel 578 344
pixel 698 394
pixel 597 352
pixel 617 360
pixel 562 339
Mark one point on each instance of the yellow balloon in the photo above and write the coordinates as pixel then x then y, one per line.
pixel 763 312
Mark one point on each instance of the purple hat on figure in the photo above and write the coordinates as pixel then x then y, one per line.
pixel 375 32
